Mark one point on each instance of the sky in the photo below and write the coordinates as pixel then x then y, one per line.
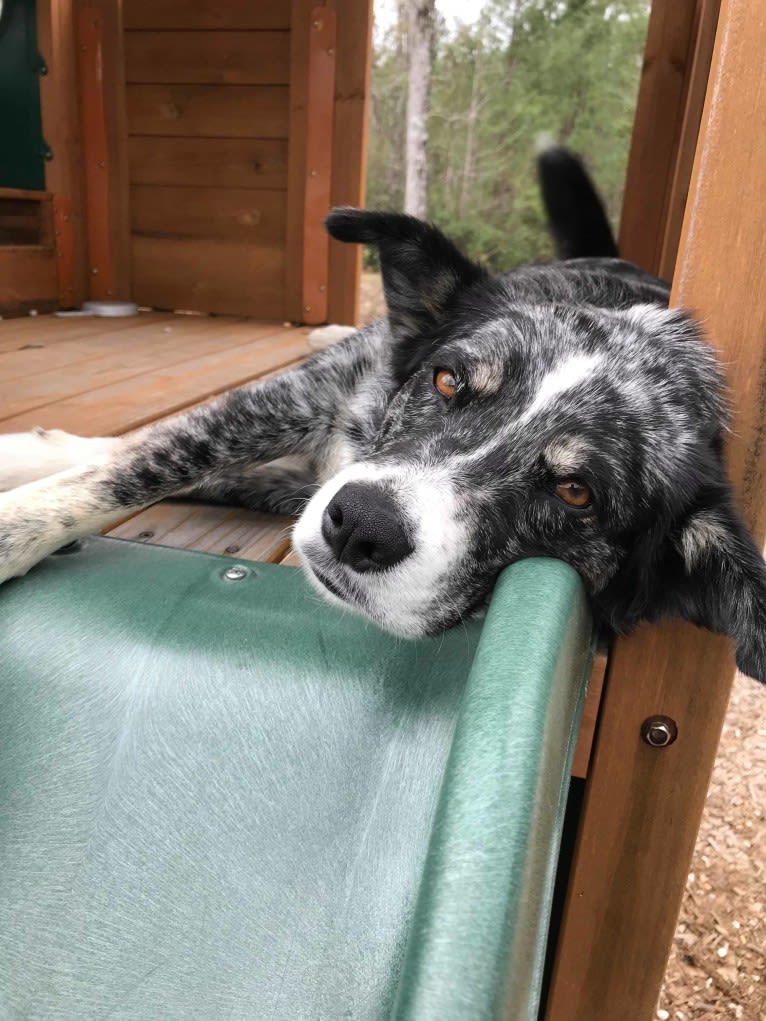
pixel 452 10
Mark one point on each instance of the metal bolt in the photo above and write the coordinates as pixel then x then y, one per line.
pixel 313 173
pixel 232 549
pixel 659 731
pixel 145 535
pixel 235 573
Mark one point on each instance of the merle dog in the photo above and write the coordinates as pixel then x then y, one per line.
pixel 557 410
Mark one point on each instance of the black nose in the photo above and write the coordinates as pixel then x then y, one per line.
pixel 363 527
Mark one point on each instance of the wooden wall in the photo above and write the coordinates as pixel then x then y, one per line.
pixel 217 93
pixel 207 95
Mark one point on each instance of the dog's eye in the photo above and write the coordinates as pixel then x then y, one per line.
pixel 574 493
pixel 445 382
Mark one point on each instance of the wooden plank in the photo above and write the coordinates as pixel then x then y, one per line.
pixel 245 214
pixel 665 77
pixel 25 195
pixel 194 162
pixel 238 111
pixel 27 279
pixel 349 170
pixel 95 155
pixel 209 14
pixel 581 761
pixel 300 21
pixel 44 333
pixel 318 178
pixel 102 104
pixel 226 277
pixel 64 242
pixel 643 805
pixel 673 216
pixel 227 531
pixel 135 402
pixel 222 58
pixel 60 123
pixel 131 354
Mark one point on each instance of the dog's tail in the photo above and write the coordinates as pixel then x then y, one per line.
pixel 576 215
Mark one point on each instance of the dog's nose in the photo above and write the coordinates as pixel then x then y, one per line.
pixel 364 529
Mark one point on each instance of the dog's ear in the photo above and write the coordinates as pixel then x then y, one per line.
pixel 708 571
pixel 722 583
pixel 423 272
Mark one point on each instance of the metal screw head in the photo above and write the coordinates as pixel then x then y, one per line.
pixel 145 535
pixel 232 549
pixel 659 731
pixel 235 573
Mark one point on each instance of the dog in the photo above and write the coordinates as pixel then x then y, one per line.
pixel 556 410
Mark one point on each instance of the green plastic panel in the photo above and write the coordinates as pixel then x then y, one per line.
pixel 23 150
pixel 227 800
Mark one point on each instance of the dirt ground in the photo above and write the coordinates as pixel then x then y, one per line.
pixel 717 968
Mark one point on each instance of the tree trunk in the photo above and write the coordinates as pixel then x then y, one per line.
pixel 420 41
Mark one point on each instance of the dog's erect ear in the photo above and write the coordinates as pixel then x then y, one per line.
pixel 422 271
pixel 722 583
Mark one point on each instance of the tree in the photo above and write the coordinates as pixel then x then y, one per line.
pixel 421 18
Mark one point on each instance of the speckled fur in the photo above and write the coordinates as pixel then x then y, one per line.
pixel 573 369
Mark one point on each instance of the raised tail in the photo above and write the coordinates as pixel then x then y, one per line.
pixel 576 215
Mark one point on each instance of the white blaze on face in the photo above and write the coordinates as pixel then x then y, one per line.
pixel 404 597
pixel 565 376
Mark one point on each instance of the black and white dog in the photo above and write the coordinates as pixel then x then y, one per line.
pixel 557 410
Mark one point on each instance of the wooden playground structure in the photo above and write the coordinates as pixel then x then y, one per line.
pixel 195 149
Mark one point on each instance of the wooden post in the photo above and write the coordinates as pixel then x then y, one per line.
pixel 61 128
pixel 104 142
pixel 679 48
pixel 643 805
pixel 318 179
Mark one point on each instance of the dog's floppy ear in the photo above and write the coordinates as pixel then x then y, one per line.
pixel 721 583
pixel 422 271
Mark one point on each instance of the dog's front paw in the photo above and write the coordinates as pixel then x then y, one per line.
pixel 25 537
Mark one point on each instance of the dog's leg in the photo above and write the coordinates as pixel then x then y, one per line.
pixel 283 487
pixel 289 414
pixel 26 457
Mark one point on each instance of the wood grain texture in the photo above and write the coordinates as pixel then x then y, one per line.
pixel 56 31
pixel 300 14
pixel 207 14
pixel 122 355
pixel 349 174
pixel 28 279
pixel 165 390
pixel 318 173
pixel 237 111
pixel 224 277
pixel 581 761
pixel 227 213
pixel 218 162
pixel 643 806
pixel 668 60
pixel 226 531
pixel 673 215
pixel 64 243
pixel 222 58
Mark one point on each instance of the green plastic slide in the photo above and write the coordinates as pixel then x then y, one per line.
pixel 222 799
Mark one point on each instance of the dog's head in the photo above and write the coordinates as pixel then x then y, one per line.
pixel 506 429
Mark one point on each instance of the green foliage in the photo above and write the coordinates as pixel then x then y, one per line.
pixel 566 68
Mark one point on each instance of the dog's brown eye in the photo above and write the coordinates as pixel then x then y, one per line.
pixel 575 493
pixel 445 382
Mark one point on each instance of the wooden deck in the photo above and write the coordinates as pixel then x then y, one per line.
pixel 101 377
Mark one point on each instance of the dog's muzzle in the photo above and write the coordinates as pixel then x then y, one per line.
pixel 364 528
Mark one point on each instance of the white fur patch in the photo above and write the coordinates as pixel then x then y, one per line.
pixel 401 598
pixel 702 534
pixel 26 457
pixel 568 374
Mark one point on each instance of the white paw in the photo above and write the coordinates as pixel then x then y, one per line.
pixel 326 336
pixel 26 536
pixel 26 457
